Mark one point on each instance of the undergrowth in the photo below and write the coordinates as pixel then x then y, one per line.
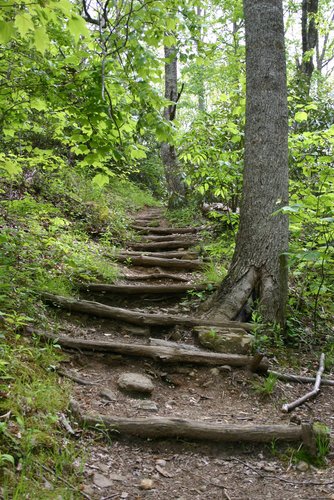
pixel 58 231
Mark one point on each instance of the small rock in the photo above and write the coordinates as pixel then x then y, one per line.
pixel 88 490
pixel 302 466
pixel 117 477
pixel 269 468
pixel 103 467
pixel 147 406
pixel 215 372
pixel 47 485
pixel 124 494
pixel 161 462
pixel 192 374
pixel 102 481
pixel 107 394
pixel 225 368
pixel 135 382
pixel 146 484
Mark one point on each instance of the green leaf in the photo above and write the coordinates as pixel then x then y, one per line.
pixel 137 154
pixel 77 27
pixel 301 116
pixel 24 23
pixel 41 40
pixel 6 31
pixel 38 104
pixel 100 180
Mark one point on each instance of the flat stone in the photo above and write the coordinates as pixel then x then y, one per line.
pixel 223 340
pixel 135 382
pixel 102 481
pixel 107 394
pixel 147 406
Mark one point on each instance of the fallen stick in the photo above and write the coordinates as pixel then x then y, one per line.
pixel 290 406
pixel 159 353
pixel 142 289
pixel 300 379
pixel 74 377
pixel 135 317
pixel 162 427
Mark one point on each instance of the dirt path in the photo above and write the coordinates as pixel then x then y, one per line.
pixel 123 467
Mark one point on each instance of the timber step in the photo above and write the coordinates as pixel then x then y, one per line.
pixel 163 427
pixel 191 265
pixel 168 237
pixel 165 230
pixel 188 255
pixel 143 289
pixel 171 244
pixel 152 276
pixel 159 353
pixel 135 317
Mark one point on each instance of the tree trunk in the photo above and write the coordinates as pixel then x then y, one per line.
pixel 175 186
pixel 258 266
pixel 309 39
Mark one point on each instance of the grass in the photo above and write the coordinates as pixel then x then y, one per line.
pixel 34 452
pixel 267 387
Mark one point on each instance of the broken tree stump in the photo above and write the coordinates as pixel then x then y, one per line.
pixel 162 427
pixel 135 317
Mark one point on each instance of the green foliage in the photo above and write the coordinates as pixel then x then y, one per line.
pixel 267 387
pixel 30 433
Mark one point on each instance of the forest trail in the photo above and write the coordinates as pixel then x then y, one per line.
pixel 137 365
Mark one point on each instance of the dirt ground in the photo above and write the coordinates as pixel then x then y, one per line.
pixel 120 467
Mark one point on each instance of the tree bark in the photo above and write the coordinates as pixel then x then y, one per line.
pixel 175 186
pixel 309 39
pixel 258 266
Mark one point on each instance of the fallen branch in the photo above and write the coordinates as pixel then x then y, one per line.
pixel 135 317
pixel 142 289
pixel 74 377
pixel 159 353
pixel 153 262
pixel 162 427
pixel 290 406
pixel 300 379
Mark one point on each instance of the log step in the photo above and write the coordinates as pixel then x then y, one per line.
pixel 157 276
pixel 159 353
pixel 162 244
pixel 135 317
pixel 163 427
pixel 165 230
pixel 167 237
pixel 190 265
pixel 143 289
pixel 188 255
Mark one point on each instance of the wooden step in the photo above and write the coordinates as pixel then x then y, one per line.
pixel 143 289
pixel 163 245
pixel 190 265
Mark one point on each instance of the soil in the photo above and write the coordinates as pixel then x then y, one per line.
pixel 117 467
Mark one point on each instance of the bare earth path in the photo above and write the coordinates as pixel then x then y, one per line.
pixel 120 466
